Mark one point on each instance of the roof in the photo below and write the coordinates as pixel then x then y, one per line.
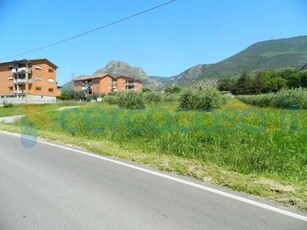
pixel 89 77
pixel 29 60
pixel 130 78
pixel 85 77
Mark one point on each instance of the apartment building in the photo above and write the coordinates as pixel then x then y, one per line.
pixel 104 84
pixel 97 84
pixel 32 80
pixel 124 83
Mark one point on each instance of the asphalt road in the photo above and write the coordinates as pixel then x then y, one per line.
pixel 49 187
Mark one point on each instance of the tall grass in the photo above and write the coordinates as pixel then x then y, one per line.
pixel 287 99
pixel 261 141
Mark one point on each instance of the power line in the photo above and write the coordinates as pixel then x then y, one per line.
pixel 93 30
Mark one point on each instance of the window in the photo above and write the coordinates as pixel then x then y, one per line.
pixel 10 78
pixel 38 68
pixel 38 78
pixel 38 88
pixel 50 70
pixel 10 88
pixel 51 80
pixel 50 90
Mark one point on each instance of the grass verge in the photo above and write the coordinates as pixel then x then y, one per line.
pixel 286 193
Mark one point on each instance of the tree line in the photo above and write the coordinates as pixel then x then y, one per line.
pixel 265 81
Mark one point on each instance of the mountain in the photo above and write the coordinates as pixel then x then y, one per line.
pixel 190 75
pixel 272 54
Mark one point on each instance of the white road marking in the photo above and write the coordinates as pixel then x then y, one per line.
pixel 195 185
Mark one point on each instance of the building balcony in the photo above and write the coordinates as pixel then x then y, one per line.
pixel 22 81
pixel 131 84
pixel 19 91
pixel 21 70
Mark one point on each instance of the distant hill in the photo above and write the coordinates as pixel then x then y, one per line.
pixel 67 86
pixel 271 54
pixel 190 75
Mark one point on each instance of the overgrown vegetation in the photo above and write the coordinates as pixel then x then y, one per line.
pixel 264 141
pixel 152 97
pixel 148 97
pixel 67 95
pixel 206 99
pixel 130 100
pixel 285 99
pixel 172 90
pixel 18 109
pixel 72 95
pixel 265 81
pixel 8 105
pixel 236 141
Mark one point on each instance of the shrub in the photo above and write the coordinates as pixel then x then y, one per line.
pixel 110 99
pixel 153 97
pixel 112 93
pixel 130 100
pixel 205 99
pixel 7 105
pixel 170 97
pixel 287 99
pixel 144 90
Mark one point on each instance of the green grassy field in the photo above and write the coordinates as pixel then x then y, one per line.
pixel 11 111
pixel 18 109
pixel 257 150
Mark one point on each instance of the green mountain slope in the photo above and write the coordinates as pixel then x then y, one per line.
pixel 272 54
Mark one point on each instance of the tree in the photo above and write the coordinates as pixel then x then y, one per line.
pixel 226 84
pixel 243 85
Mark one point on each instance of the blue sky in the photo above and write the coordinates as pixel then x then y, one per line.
pixel 163 42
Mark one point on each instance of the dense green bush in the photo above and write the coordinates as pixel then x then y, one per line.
pixel 7 105
pixel 153 97
pixel 130 100
pixel 205 99
pixel 168 97
pixel 287 99
pixel 72 95
pixel 111 99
